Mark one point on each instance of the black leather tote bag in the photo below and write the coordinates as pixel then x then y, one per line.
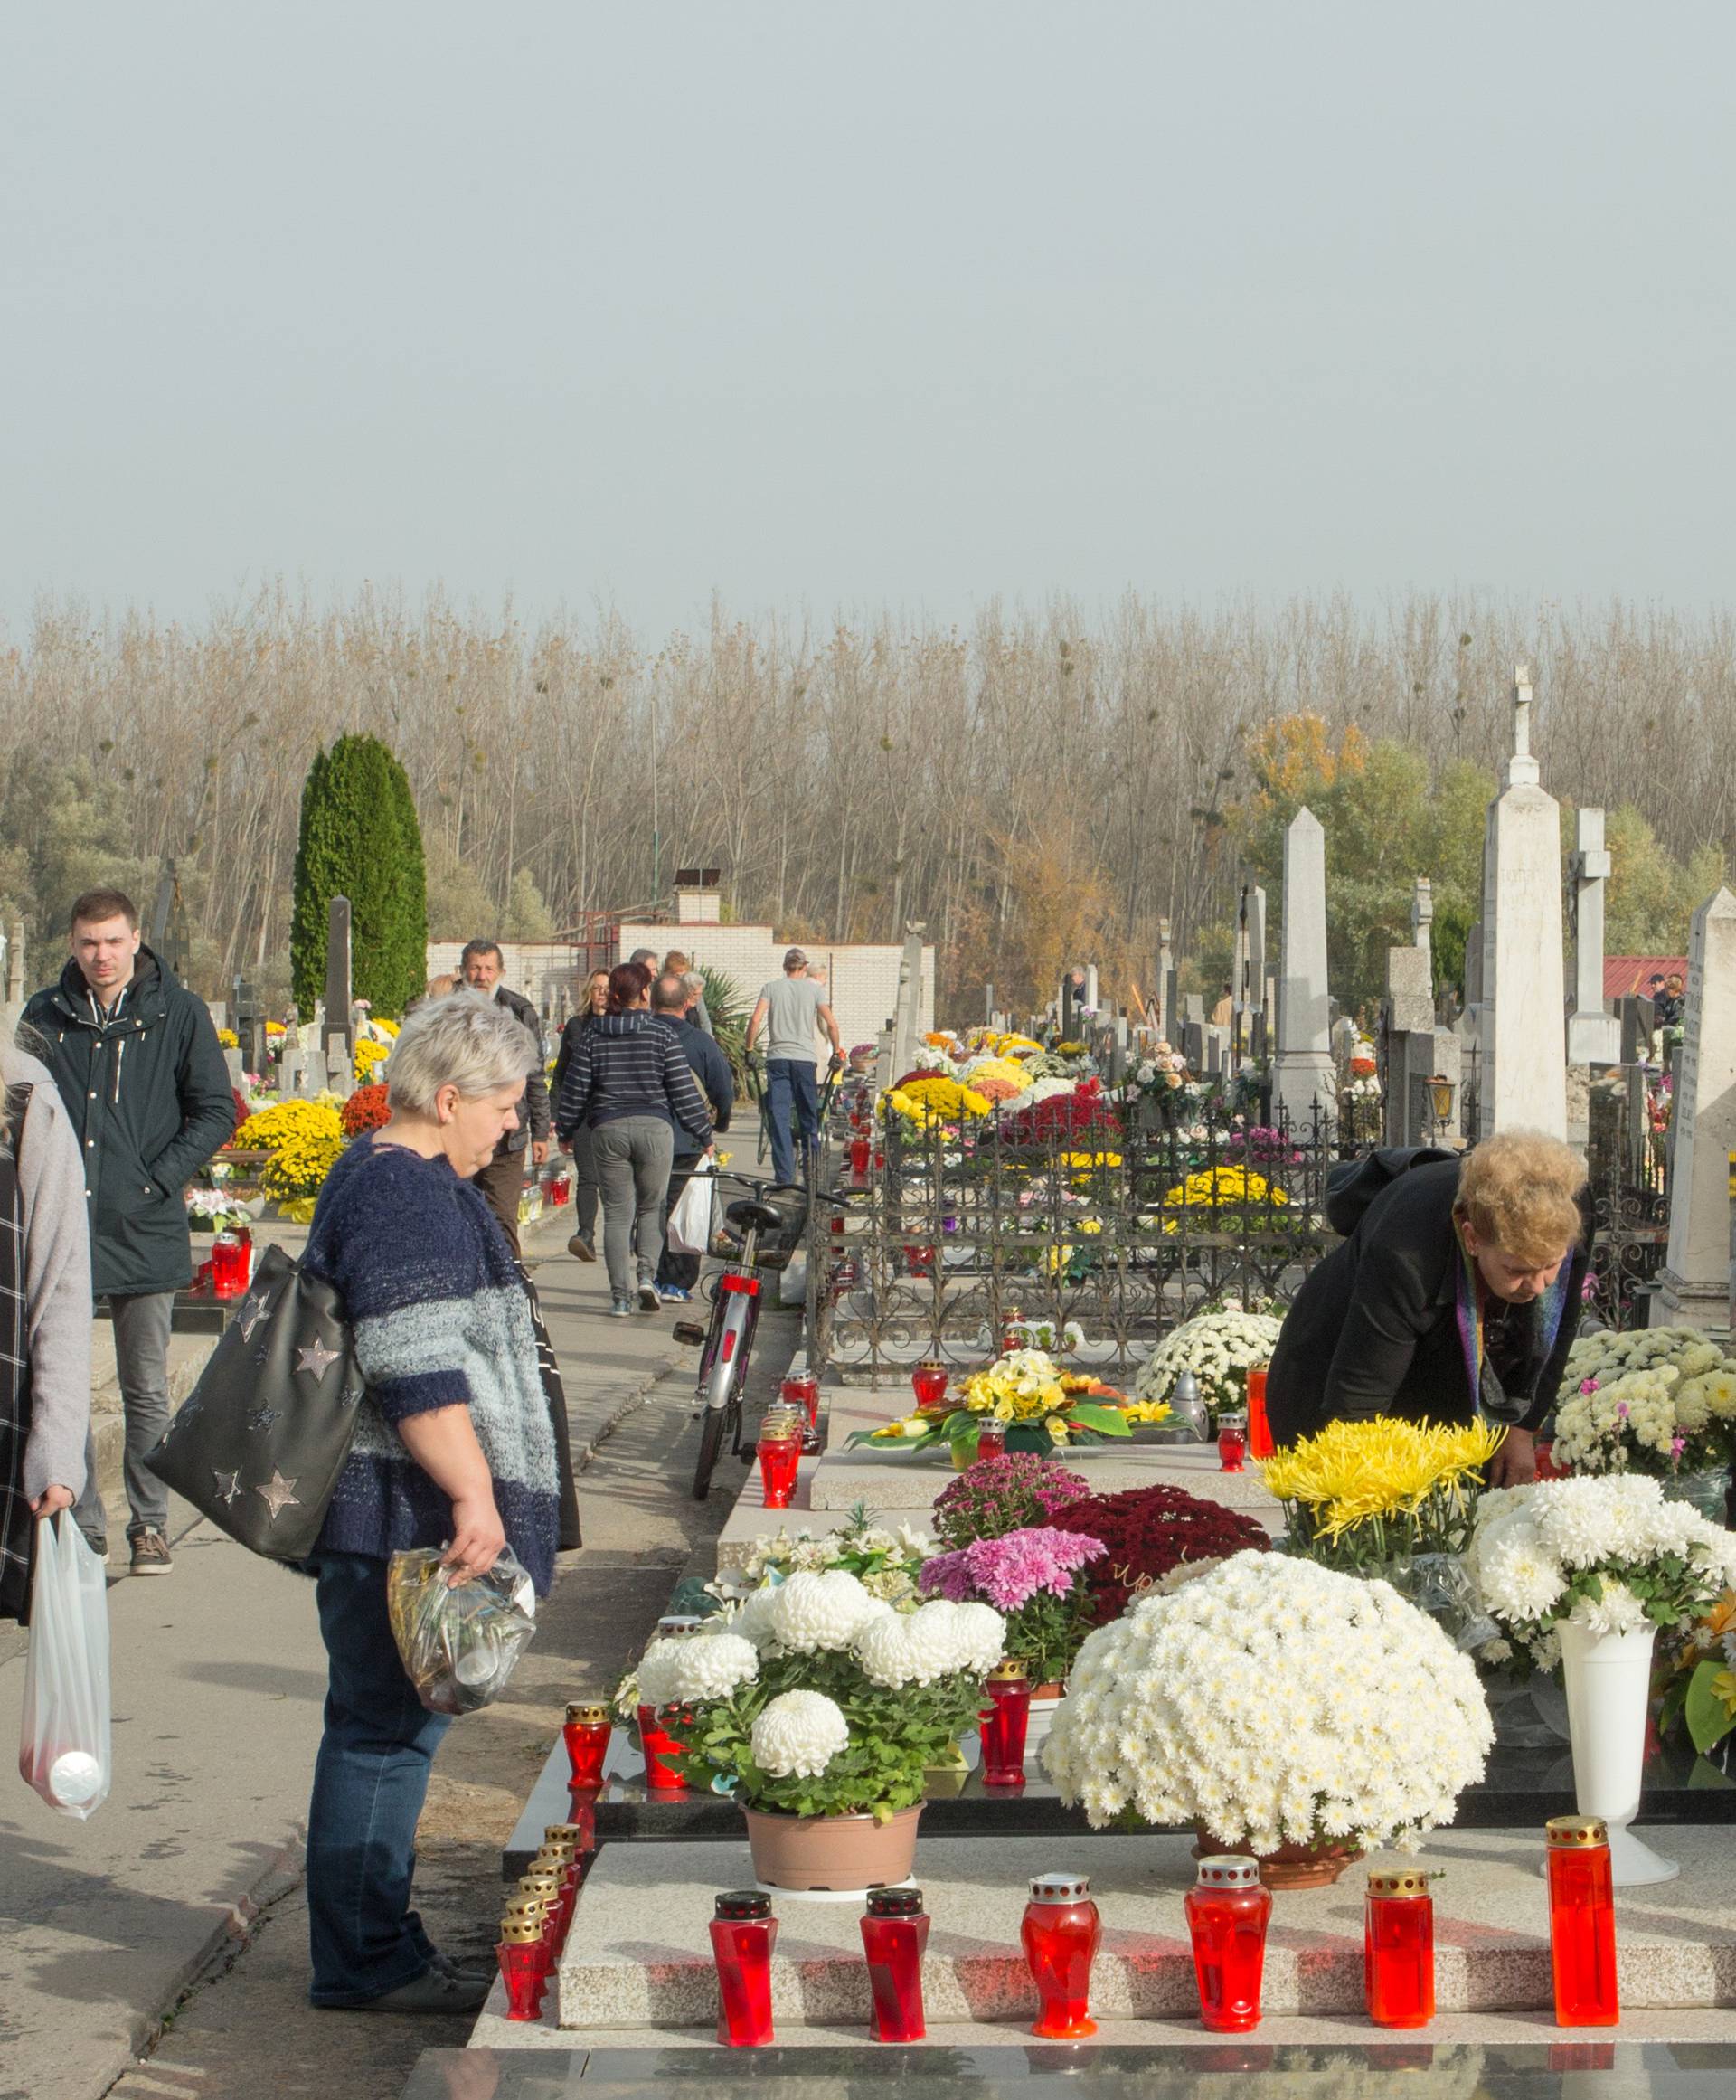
pixel 259 1441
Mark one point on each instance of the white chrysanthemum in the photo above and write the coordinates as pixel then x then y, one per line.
pixel 753 1620
pixel 1520 1578
pixel 799 1734
pixel 710 1669
pixel 659 1685
pixel 938 1640
pixel 1169 1710
pixel 1617 1611
pixel 812 1612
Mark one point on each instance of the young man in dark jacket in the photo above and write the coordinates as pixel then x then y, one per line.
pixel 677 1273
pixel 140 1068
pixel 502 1180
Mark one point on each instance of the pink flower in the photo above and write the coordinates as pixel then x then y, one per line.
pixel 1587 1385
pixel 1009 1571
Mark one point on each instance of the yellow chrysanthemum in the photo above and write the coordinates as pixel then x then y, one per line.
pixel 1353 1472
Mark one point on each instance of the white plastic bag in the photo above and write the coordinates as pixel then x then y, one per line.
pixel 64 1750
pixel 690 1222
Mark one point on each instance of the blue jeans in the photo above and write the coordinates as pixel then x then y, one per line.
pixel 370 1780
pixel 791 1083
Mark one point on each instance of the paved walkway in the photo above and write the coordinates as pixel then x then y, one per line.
pixel 219 1675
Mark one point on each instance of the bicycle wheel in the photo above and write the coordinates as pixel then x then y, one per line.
pixel 711 1428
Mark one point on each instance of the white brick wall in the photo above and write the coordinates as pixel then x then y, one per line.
pixel 861 979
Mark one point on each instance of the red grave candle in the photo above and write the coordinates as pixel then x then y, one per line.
pixel 1060 1932
pixel 522 1966
pixel 1003 1723
pixel 658 1746
pixel 1399 1949
pixel 779 1454
pixel 991 1439
pixel 802 1389
pixel 1233 1442
pixel 928 1383
pixel 1228 1912
pixel 1582 1923
pixel 894 1934
pixel 744 1933
pixel 586 1736
pixel 1260 1429
pixel 231 1262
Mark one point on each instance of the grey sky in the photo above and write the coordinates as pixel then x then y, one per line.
pixel 844 306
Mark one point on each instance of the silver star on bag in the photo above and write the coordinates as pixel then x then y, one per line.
pixel 229 1485
pixel 317 1357
pixel 279 1494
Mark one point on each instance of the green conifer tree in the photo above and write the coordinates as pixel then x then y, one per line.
pixel 360 838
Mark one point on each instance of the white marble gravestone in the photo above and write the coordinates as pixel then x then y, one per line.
pixel 1303 1076
pixel 1593 1032
pixel 1693 1288
pixel 1522 1077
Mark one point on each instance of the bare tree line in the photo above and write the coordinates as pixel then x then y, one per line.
pixel 847 778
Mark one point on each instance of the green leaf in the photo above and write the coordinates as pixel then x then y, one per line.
pixel 1105 1421
pixel 1709 1719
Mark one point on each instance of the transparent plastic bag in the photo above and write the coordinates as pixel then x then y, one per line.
pixel 65 1751
pixel 459 1642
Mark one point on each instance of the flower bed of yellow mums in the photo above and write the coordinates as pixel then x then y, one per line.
pixel 1221 1188
pixel 304 1138
pixel 369 1054
pixel 935 1099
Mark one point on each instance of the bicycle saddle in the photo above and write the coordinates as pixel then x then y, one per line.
pixel 758 1217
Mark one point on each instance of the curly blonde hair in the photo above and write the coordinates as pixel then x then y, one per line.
pixel 1519 1190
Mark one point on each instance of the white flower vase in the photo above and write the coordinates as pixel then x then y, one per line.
pixel 1609 1683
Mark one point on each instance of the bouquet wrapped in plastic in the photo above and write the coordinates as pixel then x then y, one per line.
pixel 459 1642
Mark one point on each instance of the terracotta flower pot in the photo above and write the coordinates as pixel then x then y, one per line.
pixel 831 1851
pixel 1291 1866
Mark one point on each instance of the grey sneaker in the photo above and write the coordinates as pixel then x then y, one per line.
pixel 648 1299
pixel 620 1308
pixel 151 1554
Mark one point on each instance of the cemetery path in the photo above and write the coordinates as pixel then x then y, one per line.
pixel 125 1934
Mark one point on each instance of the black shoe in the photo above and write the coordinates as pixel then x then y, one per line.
pixel 581 1245
pixel 436 1990
pixel 474 1972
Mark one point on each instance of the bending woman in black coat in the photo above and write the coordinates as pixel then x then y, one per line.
pixel 1458 1293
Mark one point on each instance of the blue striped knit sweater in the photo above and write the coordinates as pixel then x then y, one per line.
pixel 440 1319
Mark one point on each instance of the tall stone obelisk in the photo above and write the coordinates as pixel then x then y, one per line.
pixel 1524 1075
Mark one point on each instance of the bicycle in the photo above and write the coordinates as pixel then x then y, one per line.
pixel 728 1340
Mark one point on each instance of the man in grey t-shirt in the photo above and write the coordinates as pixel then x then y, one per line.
pixel 788 1009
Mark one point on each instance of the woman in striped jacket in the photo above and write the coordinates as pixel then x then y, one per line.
pixel 630 1086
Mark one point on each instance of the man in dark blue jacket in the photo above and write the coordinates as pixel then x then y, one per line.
pixel 140 1067
pixel 678 1272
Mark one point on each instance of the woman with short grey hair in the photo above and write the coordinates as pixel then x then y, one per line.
pixel 454 1447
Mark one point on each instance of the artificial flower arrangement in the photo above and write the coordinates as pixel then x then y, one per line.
pixel 215 1210
pixel 816 1698
pixel 1148 1534
pixel 1004 1494
pixel 1262 1145
pixel 1701 1691
pixel 1612 1554
pixel 1271 1702
pixel 885 1562
pixel 1164 1072
pixel 1042 1407
pixel 1034 1577
pixel 1219 1347
pixel 1658 1400
pixel 1358 1495
pixel 1238 1191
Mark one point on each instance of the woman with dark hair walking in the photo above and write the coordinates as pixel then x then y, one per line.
pixel 628 1084
pixel 585 1191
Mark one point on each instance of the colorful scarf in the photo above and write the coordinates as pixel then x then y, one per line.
pixel 1550 1307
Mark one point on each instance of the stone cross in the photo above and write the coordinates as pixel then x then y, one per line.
pixel 1593 1032
pixel 1303 1077
pixel 1522 1067
pixel 1166 1016
pixel 1693 1288
pixel 336 1059
pixel 907 1009
pixel 1422 913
